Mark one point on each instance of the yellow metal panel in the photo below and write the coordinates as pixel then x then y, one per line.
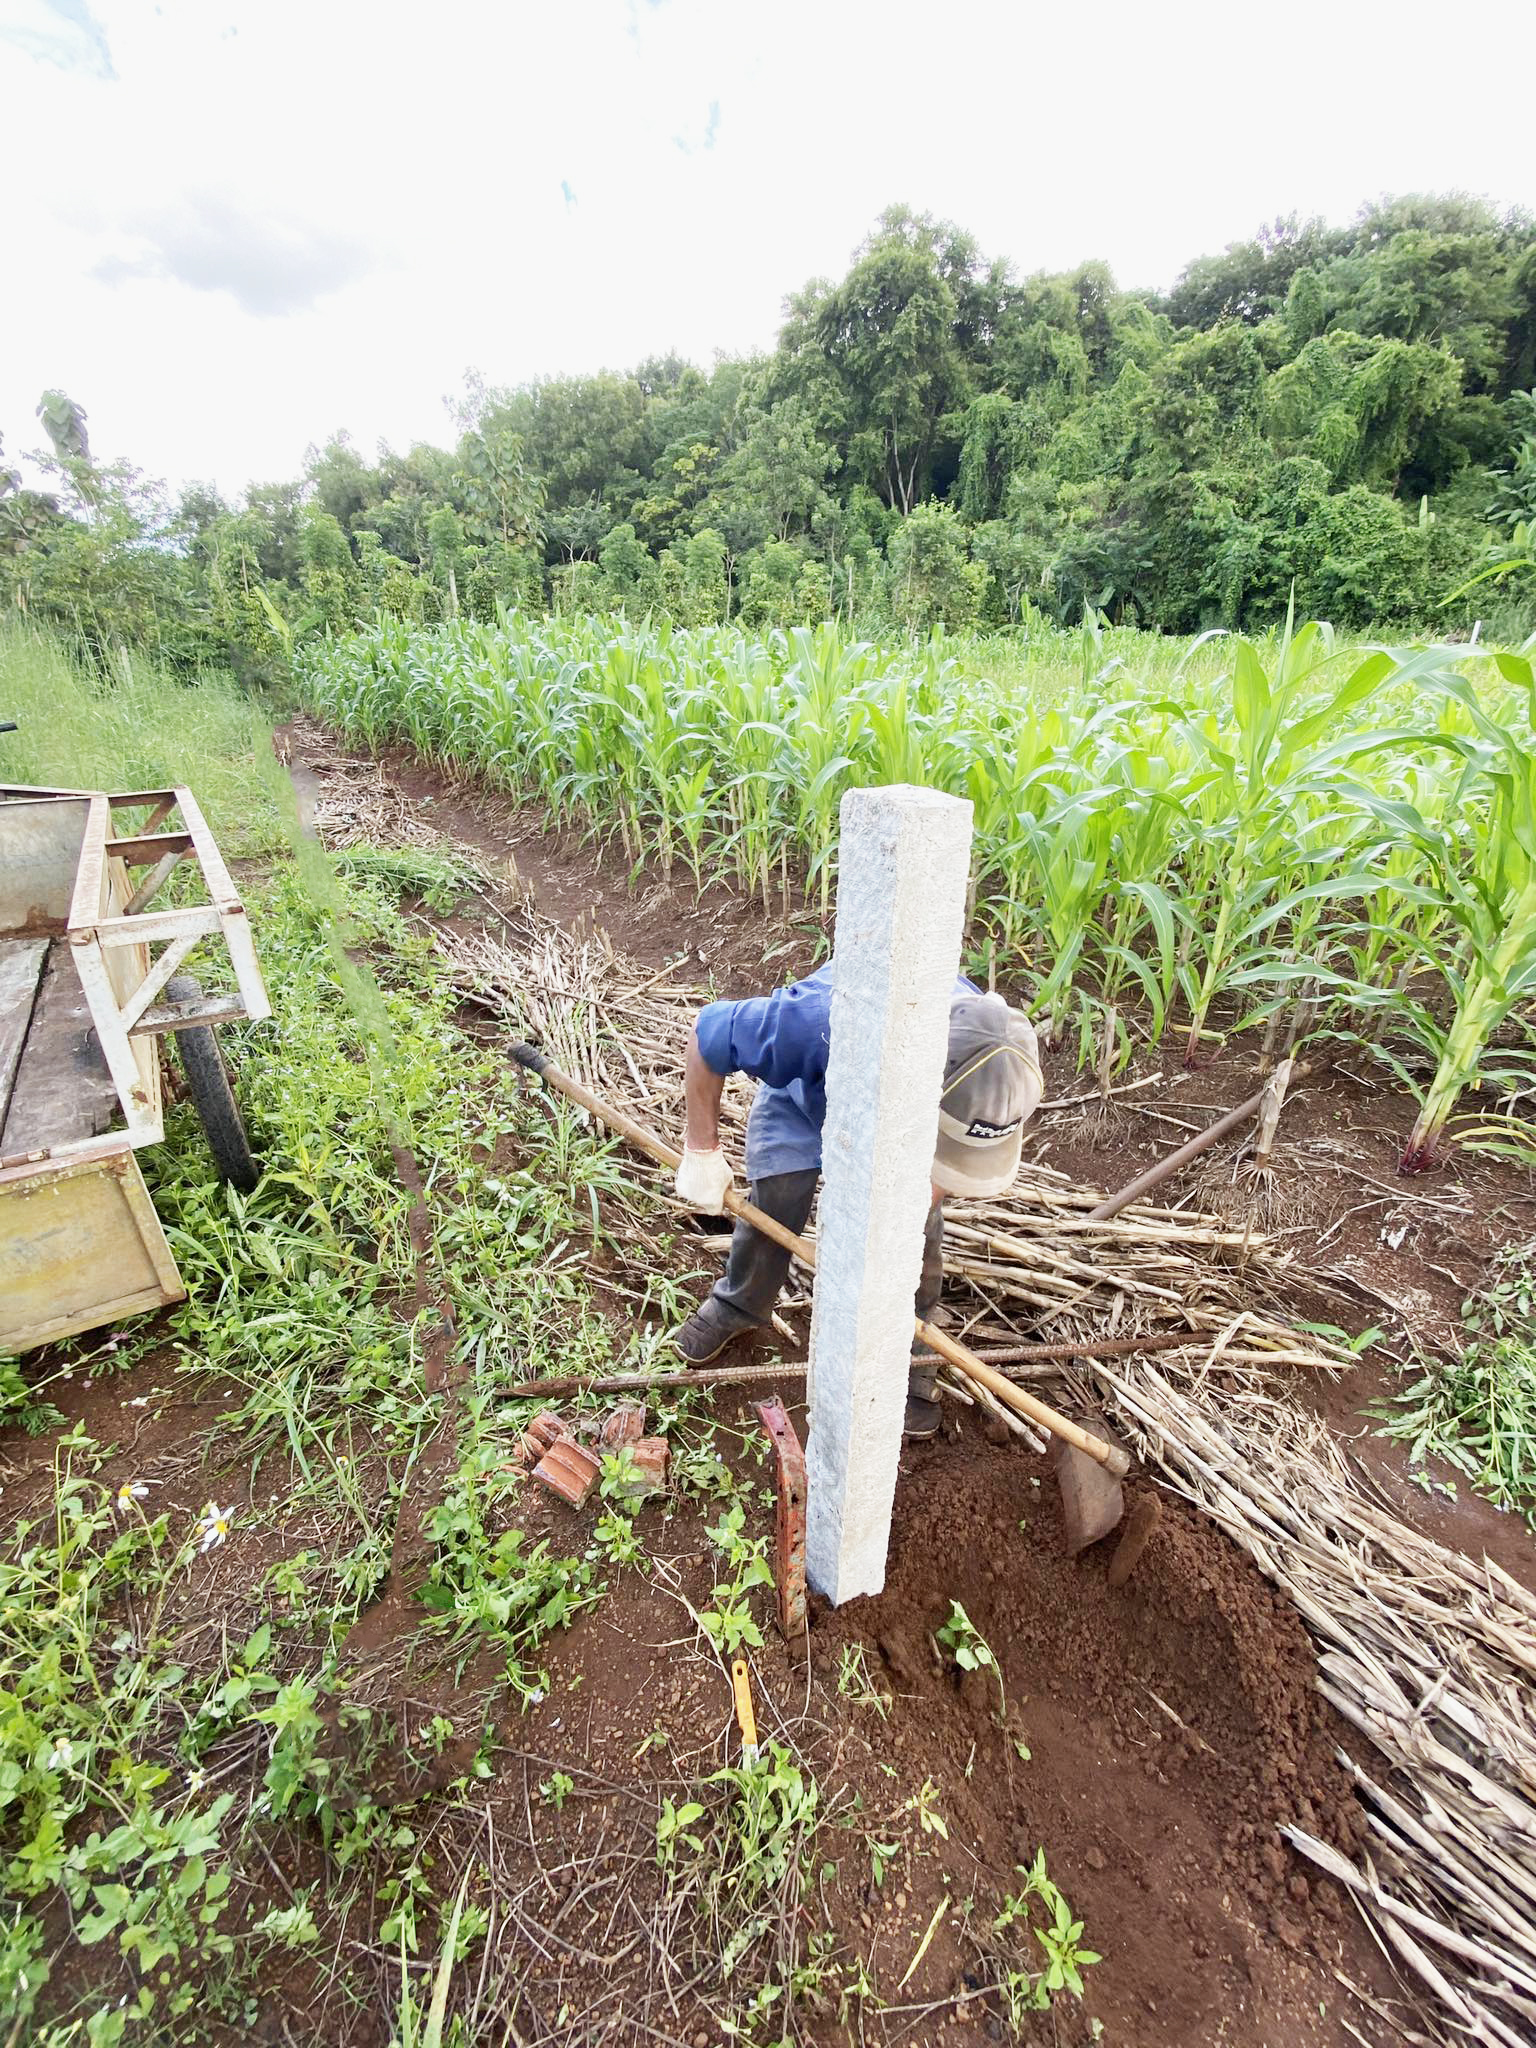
pixel 80 1245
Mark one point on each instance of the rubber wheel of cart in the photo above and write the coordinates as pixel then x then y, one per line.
pixel 213 1096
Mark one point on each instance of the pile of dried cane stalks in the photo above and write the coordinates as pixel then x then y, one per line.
pixel 355 804
pixel 1429 1655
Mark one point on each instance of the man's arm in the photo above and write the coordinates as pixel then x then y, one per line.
pixel 704 1177
pixel 702 1090
pixel 776 1039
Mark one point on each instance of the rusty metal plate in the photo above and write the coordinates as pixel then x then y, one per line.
pixel 789 1517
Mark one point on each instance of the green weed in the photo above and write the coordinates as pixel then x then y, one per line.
pixel 439 879
pixel 969 1649
pixel 728 1620
pixel 138 728
pixel 1038 1908
pixel 1478 1412
pixel 740 1853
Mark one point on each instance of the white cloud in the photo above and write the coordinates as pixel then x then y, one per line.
pixel 254 221
pixel 60 32
pixel 213 241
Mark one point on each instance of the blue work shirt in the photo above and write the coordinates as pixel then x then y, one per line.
pixel 782 1041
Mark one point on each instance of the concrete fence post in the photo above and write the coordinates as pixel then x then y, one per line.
pixel 903 861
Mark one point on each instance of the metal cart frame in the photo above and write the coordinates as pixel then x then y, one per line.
pixel 83 1001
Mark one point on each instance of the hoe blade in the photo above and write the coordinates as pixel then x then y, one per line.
pixel 1092 1500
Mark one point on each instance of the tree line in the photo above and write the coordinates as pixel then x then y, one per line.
pixel 934 440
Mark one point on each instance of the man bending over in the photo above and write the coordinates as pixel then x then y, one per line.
pixel 992 1086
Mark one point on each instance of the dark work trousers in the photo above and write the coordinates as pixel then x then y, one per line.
pixel 757 1268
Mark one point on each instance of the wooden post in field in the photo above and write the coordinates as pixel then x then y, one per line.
pixel 902 867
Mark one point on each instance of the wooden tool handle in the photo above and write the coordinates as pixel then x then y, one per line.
pixel 965 1362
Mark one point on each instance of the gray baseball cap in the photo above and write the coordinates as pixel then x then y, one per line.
pixel 992 1086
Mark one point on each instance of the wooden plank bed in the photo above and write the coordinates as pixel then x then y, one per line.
pixel 55 1086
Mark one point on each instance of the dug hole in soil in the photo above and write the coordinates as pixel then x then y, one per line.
pixel 1171 1725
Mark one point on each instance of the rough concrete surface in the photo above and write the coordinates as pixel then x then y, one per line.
pixel 903 863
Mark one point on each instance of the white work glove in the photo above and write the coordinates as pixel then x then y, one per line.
pixel 704 1179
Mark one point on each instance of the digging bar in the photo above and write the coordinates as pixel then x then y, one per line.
pixel 1114 1461
pixel 1165 1169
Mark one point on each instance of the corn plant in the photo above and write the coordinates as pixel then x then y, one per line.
pixel 1486 884
pixel 1153 826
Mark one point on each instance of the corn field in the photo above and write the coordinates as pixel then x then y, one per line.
pixel 1328 841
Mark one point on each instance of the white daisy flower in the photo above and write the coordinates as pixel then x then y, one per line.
pixel 213 1529
pixel 130 1491
pixel 62 1755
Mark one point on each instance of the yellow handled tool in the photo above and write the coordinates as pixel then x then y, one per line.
pixel 746 1720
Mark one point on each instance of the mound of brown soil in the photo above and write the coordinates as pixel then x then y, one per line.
pixel 1169 1726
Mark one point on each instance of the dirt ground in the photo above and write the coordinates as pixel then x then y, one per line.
pixel 1150 1739
pixel 1168 1728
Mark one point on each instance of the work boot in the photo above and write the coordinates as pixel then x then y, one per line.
pixel 923 1412
pixel 707 1332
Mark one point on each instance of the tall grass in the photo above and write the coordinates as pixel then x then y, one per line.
pixel 136 727
pixel 1161 829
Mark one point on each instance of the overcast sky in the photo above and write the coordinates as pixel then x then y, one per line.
pixel 233 226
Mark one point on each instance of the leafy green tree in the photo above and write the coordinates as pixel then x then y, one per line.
pixel 497 576
pixel 387 583
pixel 330 581
pixel 877 356
pixel 814 599
pixel 402 493
pixel 1249 281
pixel 630 579
pixel 934 438
pixel 341 481
pixel 24 514
pixel 990 450
pixel 249 616
pixel 99 554
pixel 1015 561
pixel 575 532
pixel 1360 562
pixel 695 585
pixel 445 542
pixel 684 479
pixel 1520 342
pixel 64 423
pixel 1450 291
pixel 773 481
pixel 772 577
pixel 1514 487
pixel 581 437
pixel 503 496
pixel 933 580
